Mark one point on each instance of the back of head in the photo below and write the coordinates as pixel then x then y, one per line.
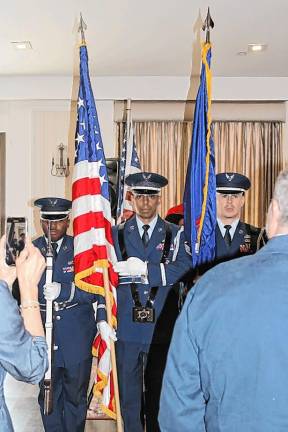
pixel 281 195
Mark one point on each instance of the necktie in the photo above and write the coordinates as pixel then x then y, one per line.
pixel 227 236
pixel 145 235
pixel 54 247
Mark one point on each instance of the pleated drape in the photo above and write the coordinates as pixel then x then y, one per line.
pixel 252 148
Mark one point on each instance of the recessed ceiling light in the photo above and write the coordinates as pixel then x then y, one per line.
pixel 22 45
pixel 257 47
pixel 242 53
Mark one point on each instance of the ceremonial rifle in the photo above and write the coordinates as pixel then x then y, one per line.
pixel 48 395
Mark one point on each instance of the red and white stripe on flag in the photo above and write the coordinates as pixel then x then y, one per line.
pixel 93 243
pixel 93 250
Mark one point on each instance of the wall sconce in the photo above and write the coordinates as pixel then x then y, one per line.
pixel 60 170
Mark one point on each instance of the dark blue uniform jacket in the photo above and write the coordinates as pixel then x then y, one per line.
pixel 163 276
pixel 74 327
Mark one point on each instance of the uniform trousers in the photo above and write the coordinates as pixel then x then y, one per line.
pixel 140 366
pixel 70 385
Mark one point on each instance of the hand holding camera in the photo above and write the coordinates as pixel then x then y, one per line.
pixel 29 266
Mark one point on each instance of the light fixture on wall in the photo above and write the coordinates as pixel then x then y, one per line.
pixel 60 169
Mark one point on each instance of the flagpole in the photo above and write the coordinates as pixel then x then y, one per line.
pixel 128 132
pixel 128 114
pixel 112 350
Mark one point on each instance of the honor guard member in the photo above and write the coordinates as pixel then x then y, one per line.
pixel 74 325
pixel 145 245
pixel 234 238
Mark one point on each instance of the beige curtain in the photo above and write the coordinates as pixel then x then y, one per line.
pixel 163 147
pixel 251 148
pixel 254 149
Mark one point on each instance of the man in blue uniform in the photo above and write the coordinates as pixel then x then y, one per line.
pixel 74 325
pixel 147 246
pixel 234 238
pixel 227 364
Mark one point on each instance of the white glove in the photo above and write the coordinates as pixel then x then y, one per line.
pixel 106 332
pixel 132 267
pixel 52 290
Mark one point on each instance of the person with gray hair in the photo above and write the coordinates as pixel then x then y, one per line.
pixel 280 196
pixel 227 364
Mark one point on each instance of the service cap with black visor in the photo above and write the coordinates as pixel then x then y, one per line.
pixel 145 188
pixel 232 182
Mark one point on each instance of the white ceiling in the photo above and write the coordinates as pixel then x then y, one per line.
pixel 136 37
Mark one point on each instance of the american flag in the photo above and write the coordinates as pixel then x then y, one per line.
pixel 93 244
pixel 129 164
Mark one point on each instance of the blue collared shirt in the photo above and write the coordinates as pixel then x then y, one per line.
pixel 151 224
pixel 232 229
pixel 59 243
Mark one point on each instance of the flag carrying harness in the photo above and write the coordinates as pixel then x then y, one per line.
pixel 144 314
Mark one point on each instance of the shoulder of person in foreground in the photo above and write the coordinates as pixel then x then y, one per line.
pixel 21 355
